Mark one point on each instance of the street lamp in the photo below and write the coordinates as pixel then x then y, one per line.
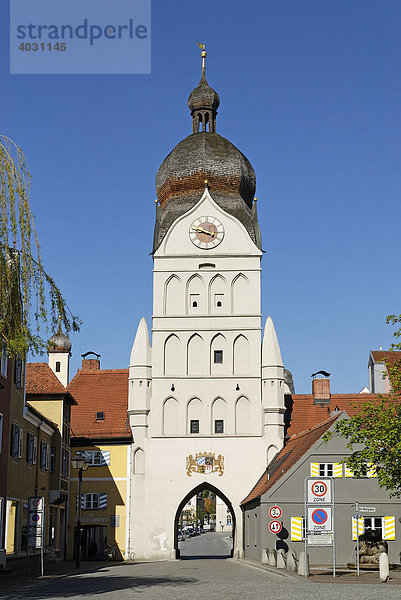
pixel 79 463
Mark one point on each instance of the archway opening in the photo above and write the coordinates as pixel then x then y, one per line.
pixel 204 525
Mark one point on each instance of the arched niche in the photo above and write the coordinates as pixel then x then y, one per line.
pixel 195 413
pixel 170 417
pixel 242 415
pixel 172 355
pixel 240 292
pixel 173 296
pixel 218 297
pixel 219 415
pixel 196 364
pixel 241 355
pixel 218 355
pixel 271 453
pixel 139 461
pixel 196 301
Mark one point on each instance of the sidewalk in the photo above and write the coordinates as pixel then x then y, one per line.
pixel 18 577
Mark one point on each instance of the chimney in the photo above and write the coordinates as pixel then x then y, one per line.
pixel 321 391
pixel 90 364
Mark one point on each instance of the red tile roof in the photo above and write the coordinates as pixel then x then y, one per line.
pixel 295 448
pixel 104 390
pixel 40 379
pixel 388 356
pixel 305 414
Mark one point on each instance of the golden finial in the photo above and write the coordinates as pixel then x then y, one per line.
pixel 255 199
pixel 206 182
pixel 156 201
pixel 203 55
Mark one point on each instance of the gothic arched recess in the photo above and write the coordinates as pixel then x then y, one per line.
pixel 200 488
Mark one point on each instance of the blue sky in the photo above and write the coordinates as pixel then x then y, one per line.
pixel 310 93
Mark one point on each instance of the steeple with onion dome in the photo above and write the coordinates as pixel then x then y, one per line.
pixel 205 155
pixel 59 351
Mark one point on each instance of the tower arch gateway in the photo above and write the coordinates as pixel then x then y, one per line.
pixel 204 419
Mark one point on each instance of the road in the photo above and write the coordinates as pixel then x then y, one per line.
pixel 193 580
pixel 212 545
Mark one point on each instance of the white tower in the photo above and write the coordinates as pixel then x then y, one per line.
pixel 196 409
pixel 59 351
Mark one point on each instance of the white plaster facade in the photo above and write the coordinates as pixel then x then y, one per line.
pixel 205 300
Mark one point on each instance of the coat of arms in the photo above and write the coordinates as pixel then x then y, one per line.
pixel 205 462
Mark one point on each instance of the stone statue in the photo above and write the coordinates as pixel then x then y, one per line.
pixel 371 546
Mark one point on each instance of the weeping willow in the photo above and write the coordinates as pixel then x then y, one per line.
pixel 29 297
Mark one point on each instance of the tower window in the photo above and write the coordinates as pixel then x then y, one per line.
pixel 194 426
pixel 99 416
pixel 219 304
pixel 218 356
pixel 219 426
pixel 194 304
pixel 58 366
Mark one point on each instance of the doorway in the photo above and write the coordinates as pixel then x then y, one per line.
pixel 204 525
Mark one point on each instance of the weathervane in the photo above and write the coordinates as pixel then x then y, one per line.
pixel 203 55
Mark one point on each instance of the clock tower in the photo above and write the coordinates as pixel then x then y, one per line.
pixel 206 397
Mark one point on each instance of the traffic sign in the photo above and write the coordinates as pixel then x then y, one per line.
pixel 319 519
pixel 275 512
pixel 275 526
pixel 319 491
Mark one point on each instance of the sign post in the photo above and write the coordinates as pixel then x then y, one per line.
pixel 319 515
pixel 36 526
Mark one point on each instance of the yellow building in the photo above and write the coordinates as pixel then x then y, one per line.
pixel 38 459
pixel 100 430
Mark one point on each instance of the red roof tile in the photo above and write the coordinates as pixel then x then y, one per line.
pixel 40 379
pixel 295 448
pixel 104 390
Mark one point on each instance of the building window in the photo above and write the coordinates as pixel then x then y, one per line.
pixel 4 359
pixel 18 372
pixel 1 432
pixel 97 458
pixel 16 441
pixel 99 416
pixel 219 426
pixel 52 464
pixel 374 523
pixel 65 462
pixel 44 464
pixel 58 366
pixel 218 356
pixel 194 426
pixel 326 469
pixel 91 501
pixel 31 448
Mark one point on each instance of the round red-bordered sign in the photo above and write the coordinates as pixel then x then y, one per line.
pixel 275 512
pixel 319 488
pixel 275 526
pixel 319 516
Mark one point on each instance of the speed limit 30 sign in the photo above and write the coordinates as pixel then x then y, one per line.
pixel 319 491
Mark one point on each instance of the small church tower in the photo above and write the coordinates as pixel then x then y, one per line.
pixel 59 351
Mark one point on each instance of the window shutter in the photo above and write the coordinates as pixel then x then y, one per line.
pixel 348 473
pixel 82 500
pixel 105 457
pixel 20 442
pixel 360 528
pixel 389 528
pixel 102 501
pixel 296 529
pixel 314 469
pixel 35 450
pixel 371 470
pixel 338 470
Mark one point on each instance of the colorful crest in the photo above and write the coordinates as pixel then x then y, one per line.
pixel 205 462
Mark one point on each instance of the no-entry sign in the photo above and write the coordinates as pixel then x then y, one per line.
pixel 319 491
pixel 275 526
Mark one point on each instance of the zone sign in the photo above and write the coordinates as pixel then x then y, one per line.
pixel 275 526
pixel 275 512
pixel 319 519
pixel 319 491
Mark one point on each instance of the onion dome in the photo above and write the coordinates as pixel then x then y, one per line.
pixel 59 342
pixel 205 156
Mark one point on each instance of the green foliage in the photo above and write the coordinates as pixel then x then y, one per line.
pixel 29 297
pixel 374 433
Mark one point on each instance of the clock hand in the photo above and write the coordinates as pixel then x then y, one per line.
pixel 203 231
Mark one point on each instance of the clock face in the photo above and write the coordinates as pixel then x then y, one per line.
pixel 206 232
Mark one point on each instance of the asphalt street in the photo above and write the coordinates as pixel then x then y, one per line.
pixel 212 545
pixel 193 579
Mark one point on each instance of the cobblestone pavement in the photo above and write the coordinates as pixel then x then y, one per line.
pixel 194 578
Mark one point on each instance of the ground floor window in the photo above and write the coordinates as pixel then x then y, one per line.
pixel 374 523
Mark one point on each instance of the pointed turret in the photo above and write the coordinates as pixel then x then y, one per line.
pixel 272 390
pixel 59 351
pixel 140 381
